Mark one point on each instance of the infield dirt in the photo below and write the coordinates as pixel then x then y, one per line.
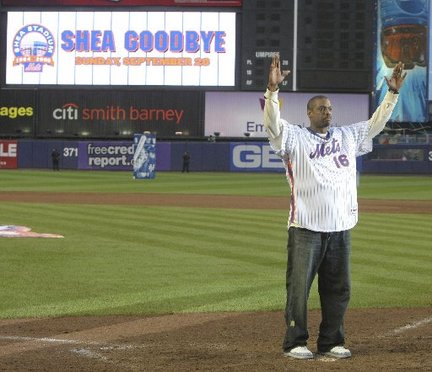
pixel 380 340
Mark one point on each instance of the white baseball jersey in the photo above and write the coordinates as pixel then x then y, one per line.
pixel 321 171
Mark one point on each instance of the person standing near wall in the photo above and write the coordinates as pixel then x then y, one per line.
pixel 186 162
pixel 55 157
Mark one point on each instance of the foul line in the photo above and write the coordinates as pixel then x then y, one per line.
pixel 129 329
pixel 409 327
pixel 72 342
pixel 43 339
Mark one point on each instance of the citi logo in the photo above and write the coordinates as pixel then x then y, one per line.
pixel 69 111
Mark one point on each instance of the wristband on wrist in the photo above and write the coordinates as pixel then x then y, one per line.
pixel 271 89
pixel 394 91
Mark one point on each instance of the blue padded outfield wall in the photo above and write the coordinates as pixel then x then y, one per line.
pixel 117 155
pixel 247 156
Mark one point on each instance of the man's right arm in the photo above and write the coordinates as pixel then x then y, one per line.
pixel 272 114
pixel 271 107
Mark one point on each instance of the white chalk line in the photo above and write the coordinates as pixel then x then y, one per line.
pixel 409 327
pixel 41 339
pixel 82 351
pixel 86 353
pixel 324 358
pixel 67 341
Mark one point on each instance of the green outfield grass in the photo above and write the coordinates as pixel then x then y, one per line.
pixel 379 187
pixel 155 260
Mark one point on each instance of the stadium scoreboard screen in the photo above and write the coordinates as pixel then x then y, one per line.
pixel 121 48
pixel 128 3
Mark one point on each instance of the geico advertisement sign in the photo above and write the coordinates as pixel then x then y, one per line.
pixel 253 157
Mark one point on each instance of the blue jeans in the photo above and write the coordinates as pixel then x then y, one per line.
pixel 328 255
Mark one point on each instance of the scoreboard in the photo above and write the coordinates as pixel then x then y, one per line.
pixel 267 28
pixel 327 44
pixel 128 3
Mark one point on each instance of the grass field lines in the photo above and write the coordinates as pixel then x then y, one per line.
pixel 195 297
pixel 269 184
pixel 120 250
pixel 403 235
pixel 391 260
pixel 165 182
pixel 214 227
pixel 414 265
pixel 135 259
pixel 395 187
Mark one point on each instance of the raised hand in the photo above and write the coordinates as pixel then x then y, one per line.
pixel 276 75
pixel 395 82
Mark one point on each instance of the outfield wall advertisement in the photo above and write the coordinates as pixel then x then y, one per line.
pixel 118 155
pixel 105 155
pixel 240 114
pixel 254 157
pixel 246 156
pixel 8 154
pixel 17 112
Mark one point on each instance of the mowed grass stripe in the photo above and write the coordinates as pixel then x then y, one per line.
pixel 413 264
pixel 154 254
pixel 163 253
pixel 420 236
pixel 165 182
pixel 232 215
pixel 219 225
pixel 391 260
pixel 369 292
pixel 398 221
pixel 415 224
pixel 408 238
pixel 371 186
pixel 197 298
pixel 401 242
pixel 395 187
pixel 391 271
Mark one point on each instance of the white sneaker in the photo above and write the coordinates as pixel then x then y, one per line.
pixel 299 352
pixel 338 352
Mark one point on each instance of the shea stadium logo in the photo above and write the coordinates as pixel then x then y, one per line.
pixel 33 46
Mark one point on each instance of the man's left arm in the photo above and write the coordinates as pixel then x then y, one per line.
pixel 383 113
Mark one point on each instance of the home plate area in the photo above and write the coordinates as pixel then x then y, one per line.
pixel 379 339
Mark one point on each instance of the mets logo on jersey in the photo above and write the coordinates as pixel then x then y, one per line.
pixel 33 46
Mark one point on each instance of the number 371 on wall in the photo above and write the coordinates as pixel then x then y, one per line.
pixel 70 152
